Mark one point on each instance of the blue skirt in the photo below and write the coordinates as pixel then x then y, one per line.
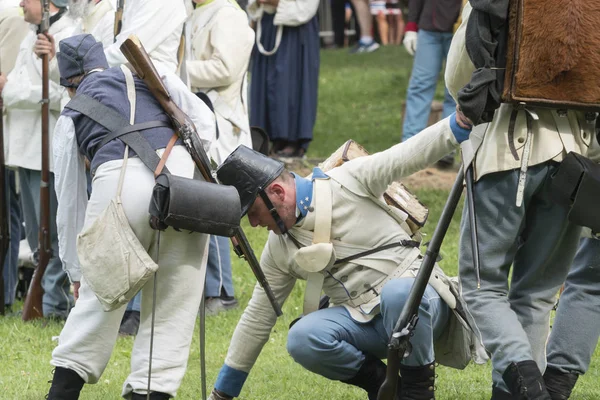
pixel 283 87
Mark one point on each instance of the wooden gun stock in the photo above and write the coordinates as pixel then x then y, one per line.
pixel 33 302
pixel 118 24
pixel 140 61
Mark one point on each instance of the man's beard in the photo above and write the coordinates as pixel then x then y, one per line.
pixel 80 8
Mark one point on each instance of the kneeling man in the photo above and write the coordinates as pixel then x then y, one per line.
pixel 335 231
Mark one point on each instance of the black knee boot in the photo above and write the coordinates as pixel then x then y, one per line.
pixel 525 381
pixel 370 376
pixel 559 384
pixel 153 396
pixel 66 385
pixel 418 383
pixel 498 394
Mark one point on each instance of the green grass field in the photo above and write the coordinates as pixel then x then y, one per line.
pixel 360 98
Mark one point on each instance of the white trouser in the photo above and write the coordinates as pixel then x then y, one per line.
pixel 89 335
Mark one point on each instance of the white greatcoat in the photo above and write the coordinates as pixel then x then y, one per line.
pixel 22 95
pixel 219 42
pixel 99 23
pixel 360 221
pixel 158 24
pixel 12 31
pixel 555 135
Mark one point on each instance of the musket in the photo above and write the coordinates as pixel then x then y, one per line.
pixel 399 345
pixel 118 19
pixel 140 61
pixel 4 230
pixel 33 302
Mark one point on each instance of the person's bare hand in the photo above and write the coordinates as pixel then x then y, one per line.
pixel 44 45
pixel 273 3
pixel 462 120
pixel 76 286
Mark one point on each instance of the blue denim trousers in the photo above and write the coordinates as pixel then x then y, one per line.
pixel 576 326
pixel 57 300
pixel 218 269
pixel 432 49
pixel 11 267
pixel 330 343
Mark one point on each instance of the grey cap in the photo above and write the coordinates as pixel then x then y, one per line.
pixel 79 55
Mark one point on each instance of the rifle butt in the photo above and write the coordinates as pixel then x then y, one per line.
pixel 388 388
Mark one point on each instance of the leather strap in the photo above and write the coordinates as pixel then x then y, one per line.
pixel 165 155
pixel 322 234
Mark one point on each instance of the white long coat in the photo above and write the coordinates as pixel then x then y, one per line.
pixel 220 43
pixel 22 94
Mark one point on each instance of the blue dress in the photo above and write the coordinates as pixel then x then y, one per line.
pixel 283 87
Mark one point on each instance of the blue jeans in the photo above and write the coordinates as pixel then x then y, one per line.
pixel 330 343
pixel 577 324
pixel 57 300
pixel 218 270
pixel 432 49
pixel 134 304
pixel 11 267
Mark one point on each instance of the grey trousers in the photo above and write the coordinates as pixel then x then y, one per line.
pixel 577 324
pixel 57 300
pixel 539 243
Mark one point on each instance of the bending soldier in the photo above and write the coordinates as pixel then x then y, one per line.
pixel 329 216
pixel 90 333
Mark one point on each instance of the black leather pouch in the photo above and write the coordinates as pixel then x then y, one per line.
pixel 194 205
pixel 576 185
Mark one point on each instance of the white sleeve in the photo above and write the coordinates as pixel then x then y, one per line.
pixel 232 40
pixel 377 171
pixel 192 106
pixel 70 184
pixel 295 12
pixel 153 22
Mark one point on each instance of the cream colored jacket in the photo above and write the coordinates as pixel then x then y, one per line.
pixel 100 23
pixel 220 42
pixel 359 222
pixel 22 95
pixel 13 30
pixel 553 135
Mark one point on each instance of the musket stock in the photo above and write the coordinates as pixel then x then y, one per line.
pixel 140 61
pixel 118 24
pixel 33 302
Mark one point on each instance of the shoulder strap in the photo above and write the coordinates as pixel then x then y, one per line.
pixel 204 97
pixel 115 122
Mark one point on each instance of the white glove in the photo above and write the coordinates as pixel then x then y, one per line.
pixel 410 42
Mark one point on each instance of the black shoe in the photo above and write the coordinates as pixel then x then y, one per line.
pixel 418 383
pixel 559 384
pixel 153 396
pixel 525 381
pixel 130 323
pixel 498 394
pixel 370 376
pixel 66 385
